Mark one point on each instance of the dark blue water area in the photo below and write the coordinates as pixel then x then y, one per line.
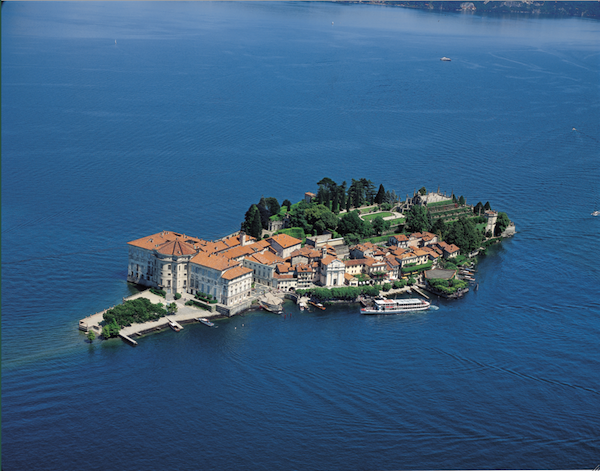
pixel 197 111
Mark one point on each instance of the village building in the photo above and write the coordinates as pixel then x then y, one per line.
pixel 492 217
pixel 284 244
pixel 161 260
pixel 206 274
pixel 332 271
pixel 399 240
pixel 236 285
pixel 263 267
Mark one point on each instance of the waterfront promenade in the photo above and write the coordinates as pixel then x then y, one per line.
pixel 184 315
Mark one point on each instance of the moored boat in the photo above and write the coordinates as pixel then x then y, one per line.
pixel 396 306
pixel 174 325
pixel 205 321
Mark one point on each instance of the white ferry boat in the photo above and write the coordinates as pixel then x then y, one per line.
pixel 396 306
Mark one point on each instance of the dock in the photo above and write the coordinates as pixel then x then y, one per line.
pixel 129 340
pixel 414 288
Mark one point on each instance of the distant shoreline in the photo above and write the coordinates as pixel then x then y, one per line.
pixel 541 9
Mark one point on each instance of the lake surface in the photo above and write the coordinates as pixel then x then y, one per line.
pixel 120 120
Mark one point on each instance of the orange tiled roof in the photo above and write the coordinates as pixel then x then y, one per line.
pixel 306 251
pixel 216 262
pixel 266 258
pixel 283 277
pixel 154 241
pixel 235 273
pixel 327 260
pixel 401 237
pixel 355 262
pixel 238 251
pixel 284 268
pixel 285 241
pixel 176 247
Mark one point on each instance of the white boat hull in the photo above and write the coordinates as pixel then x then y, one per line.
pixel 397 307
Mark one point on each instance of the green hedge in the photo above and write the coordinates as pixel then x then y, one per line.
pixel 159 292
pixel 348 293
pixel 196 304
pixel 447 286
pixel 132 311
pixel 411 267
pixel 297 232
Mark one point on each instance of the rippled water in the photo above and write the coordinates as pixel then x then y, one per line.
pixel 201 108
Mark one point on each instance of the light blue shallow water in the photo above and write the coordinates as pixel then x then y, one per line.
pixel 201 108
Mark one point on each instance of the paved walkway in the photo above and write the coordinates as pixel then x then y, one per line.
pixel 184 313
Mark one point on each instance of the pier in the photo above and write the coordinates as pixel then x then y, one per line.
pixel 418 291
pixel 129 340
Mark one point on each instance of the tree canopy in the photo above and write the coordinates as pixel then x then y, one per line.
pixel 379 225
pixel 321 218
pixel 501 223
pixel 418 219
pixel 351 223
pixel 380 197
pixel 252 224
pixel 464 234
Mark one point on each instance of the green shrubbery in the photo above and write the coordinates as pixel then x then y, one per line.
pixel 159 292
pixel 132 311
pixel 399 284
pixel 413 267
pixel 177 295
pixel 447 286
pixel 191 302
pixel 297 232
pixel 347 293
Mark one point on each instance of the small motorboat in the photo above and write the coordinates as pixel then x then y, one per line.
pixel 445 59
pixel 205 321
pixel 596 213
pixel 175 326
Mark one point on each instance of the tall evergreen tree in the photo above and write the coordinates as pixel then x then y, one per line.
pixel 418 219
pixel 369 190
pixel 272 205
pixel 252 224
pixel 287 203
pixel 487 206
pixel 380 198
pixel 342 195
pixel 461 200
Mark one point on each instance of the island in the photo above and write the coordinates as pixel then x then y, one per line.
pixel 344 243
pixel 529 7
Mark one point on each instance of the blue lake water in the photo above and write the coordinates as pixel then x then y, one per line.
pixel 196 111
